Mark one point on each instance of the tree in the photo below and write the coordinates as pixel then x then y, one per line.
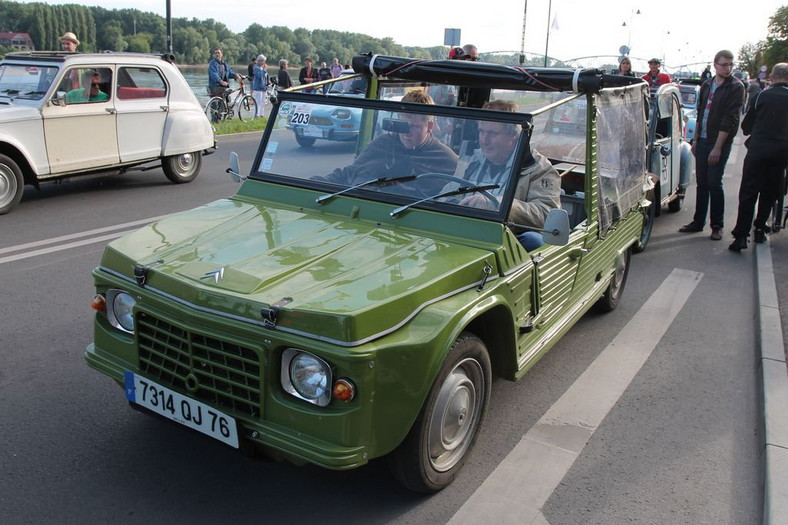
pixel 775 49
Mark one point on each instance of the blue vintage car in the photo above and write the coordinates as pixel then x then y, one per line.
pixel 689 89
pixel 310 123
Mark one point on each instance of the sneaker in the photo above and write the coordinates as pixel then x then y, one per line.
pixel 738 244
pixel 716 234
pixel 691 228
pixel 760 236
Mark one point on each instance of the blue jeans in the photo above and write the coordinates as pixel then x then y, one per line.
pixel 530 240
pixel 709 180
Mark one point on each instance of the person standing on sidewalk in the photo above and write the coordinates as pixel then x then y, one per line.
pixel 260 84
pixel 766 122
pixel 719 108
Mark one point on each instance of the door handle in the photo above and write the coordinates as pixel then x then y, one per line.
pixel 112 111
pixel 165 108
pixel 575 253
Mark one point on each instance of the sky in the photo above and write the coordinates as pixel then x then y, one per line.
pixel 678 31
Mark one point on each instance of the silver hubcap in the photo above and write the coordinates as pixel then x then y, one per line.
pixel 184 163
pixel 618 275
pixel 7 185
pixel 456 415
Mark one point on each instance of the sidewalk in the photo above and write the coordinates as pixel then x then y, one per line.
pixel 772 263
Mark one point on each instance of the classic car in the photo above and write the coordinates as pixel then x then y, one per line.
pixel 689 89
pixel 67 114
pixel 358 305
pixel 333 123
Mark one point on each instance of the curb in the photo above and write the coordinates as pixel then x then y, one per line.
pixel 775 392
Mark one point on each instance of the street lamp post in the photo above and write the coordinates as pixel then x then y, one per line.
pixel 632 14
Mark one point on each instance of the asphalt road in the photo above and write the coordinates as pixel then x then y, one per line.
pixel 679 444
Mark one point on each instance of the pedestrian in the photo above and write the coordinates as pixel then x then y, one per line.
pixel 766 123
pixel 324 73
pixel 336 68
pixel 308 74
pixel 655 77
pixel 283 79
pixel 219 74
pixel 260 84
pixel 706 74
pixel 625 68
pixel 719 108
pixel 753 89
pixel 250 68
pixel 69 42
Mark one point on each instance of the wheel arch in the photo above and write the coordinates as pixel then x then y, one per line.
pixel 21 160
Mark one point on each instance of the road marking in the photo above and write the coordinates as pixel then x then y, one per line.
pixel 527 477
pixel 55 240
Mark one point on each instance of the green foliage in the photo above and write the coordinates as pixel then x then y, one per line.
pixel 770 51
pixel 237 126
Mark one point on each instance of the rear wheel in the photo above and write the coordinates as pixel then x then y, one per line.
pixel 648 225
pixel 12 184
pixel 439 442
pixel 216 110
pixel 247 108
pixel 182 168
pixel 615 288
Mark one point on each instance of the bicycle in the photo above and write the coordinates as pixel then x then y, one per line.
pixel 222 107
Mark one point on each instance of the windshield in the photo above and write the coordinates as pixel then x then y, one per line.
pixel 396 155
pixel 25 81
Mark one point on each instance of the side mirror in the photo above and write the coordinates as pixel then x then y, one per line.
pixel 556 227
pixel 60 99
pixel 235 168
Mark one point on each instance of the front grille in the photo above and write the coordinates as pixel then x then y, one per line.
pixel 222 374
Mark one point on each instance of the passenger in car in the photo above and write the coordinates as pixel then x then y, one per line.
pixel 538 186
pixel 398 154
pixel 90 92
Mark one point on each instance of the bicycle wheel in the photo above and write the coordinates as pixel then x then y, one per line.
pixel 247 108
pixel 216 110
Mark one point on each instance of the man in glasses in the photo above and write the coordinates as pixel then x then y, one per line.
pixel 91 90
pixel 719 106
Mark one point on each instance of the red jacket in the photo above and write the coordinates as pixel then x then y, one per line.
pixel 662 78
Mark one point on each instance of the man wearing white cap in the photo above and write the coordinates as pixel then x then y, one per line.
pixel 69 42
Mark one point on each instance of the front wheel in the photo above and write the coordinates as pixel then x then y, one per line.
pixel 615 288
pixel 12 184
pixel 247 108
pixel 305 142
pixel 216 110
pixel 442 436
pixel 182 168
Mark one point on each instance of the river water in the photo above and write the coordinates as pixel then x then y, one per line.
pixel 197 77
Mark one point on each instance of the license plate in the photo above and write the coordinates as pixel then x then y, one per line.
pixel 313 131
pixel 185 410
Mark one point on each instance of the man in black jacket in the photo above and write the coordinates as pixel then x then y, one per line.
pixel 719 107
pixel 766 122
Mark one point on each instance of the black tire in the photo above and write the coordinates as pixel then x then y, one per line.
pixel 247 108
pixel 12 184
pixel 615 288
pixel 648 226
pixel 442 436
pixel 182 168
pixel 305 142
pixel 216 110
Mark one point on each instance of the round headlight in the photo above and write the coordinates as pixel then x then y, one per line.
pixel 342 114
pixel 311 378
pixel 121 314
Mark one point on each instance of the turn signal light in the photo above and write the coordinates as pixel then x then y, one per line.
pixel 99 303
pixel 343 390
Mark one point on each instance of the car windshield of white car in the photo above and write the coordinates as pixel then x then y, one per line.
pixel 25 81
pixel 397 155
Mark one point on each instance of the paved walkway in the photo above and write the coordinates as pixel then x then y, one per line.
pixel 772 281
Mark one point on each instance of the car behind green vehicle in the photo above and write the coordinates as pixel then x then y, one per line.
pixel 333 319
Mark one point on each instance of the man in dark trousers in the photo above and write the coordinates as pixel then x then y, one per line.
pixel 766 122
pixel 719 108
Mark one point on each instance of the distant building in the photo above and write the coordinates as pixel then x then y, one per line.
pixel 20 41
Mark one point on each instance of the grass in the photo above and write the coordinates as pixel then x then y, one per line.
pixel 236 126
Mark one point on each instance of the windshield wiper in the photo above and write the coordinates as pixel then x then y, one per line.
pixel 462 190
pixel 10 92
pixel 379 180
pixel 33 93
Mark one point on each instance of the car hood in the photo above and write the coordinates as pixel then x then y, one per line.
pixel 11 112
pixel 338 279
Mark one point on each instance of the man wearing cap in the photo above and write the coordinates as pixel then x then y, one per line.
pixel 69 42
pixel 654 77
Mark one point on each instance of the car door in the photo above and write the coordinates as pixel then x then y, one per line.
pixel 81 133
pixel 142 103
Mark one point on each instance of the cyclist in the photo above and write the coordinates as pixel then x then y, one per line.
pixel 219 75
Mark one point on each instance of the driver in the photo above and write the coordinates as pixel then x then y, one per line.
pixel 400 154
pixel 538 186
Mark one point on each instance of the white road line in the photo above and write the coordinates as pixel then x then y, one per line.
pixel 53 240
pixel 518 488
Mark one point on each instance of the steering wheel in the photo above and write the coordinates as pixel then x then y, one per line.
pixel 451 178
